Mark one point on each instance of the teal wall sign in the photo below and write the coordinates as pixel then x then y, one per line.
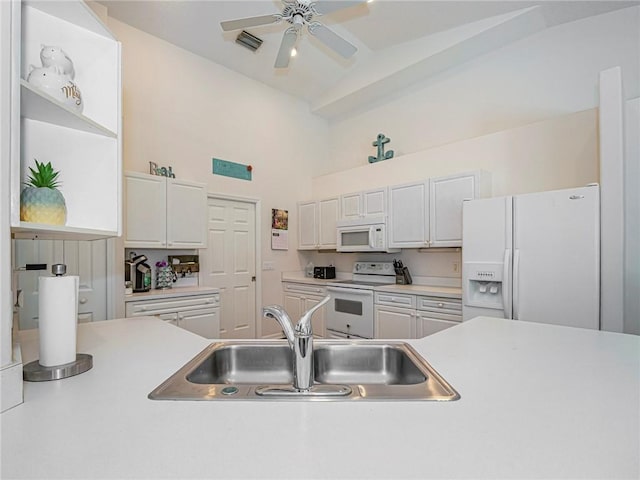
pixel 232 169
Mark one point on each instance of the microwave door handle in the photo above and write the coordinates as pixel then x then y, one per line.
pixel 372 241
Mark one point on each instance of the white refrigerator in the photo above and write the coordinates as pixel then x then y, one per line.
pixel 533 257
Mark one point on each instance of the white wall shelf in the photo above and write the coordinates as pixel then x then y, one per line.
pixel 37 105
pixel 39 231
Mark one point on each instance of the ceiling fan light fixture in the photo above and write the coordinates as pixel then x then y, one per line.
pixel 298 13
pixel 249 41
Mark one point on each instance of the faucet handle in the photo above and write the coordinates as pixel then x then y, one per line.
pixel 304 324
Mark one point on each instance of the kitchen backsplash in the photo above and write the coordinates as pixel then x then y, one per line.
pixel 441 267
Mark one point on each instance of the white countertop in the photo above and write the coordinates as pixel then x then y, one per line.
pixel 538 401
pixel 297 277
pixel 413 289
pixel 155 294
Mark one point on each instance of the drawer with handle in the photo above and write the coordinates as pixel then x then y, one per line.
pixel 305 288
pixel 447 305
pixel 154 307
pixel 395 300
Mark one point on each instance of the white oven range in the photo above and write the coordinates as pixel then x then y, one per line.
pixel 350 310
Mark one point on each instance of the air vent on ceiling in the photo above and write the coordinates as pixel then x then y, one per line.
pixel 247 40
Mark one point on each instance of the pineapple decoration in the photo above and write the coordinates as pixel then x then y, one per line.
pixel 41 201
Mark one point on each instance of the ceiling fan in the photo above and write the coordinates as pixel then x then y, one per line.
pixel 300 13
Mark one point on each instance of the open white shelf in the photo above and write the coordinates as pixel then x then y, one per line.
pixel 36 231
pixel 85 147
pixel 37 105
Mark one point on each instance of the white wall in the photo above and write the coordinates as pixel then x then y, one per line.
pixel 551 73
pixel 612 200
pixel 561 152
pixel 182 110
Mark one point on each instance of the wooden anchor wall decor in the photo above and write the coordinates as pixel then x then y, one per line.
pixel 380 143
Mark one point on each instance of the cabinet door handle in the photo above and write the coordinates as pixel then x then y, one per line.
pixel 83 300
pixel 441 305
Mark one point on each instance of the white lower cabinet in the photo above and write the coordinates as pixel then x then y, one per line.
pixel 199 314
pixel 394 316
pixel 426 325
pixel 437 313
pixel 298 298
pixel 394 322
pixel 404 316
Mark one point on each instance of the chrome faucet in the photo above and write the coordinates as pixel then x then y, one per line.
pixel 300 340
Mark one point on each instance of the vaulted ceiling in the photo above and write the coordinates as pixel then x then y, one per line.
pixel 399 42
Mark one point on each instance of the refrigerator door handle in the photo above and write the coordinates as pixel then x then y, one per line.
pixel 506 291
pixel 516 284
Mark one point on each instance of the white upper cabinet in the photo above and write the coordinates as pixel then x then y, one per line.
pixel 409 215
pixel 368 203
pixel 328 212
pixel 164 212
pixel 307 225
pixel 317 224
pixel 85 147
pixel 429 213
pixel 145 211
pixel 186 214
pixel 445 206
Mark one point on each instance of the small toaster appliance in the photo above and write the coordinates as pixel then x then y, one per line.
pixel 324 272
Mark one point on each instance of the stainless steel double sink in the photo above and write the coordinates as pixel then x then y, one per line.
pixel 343 370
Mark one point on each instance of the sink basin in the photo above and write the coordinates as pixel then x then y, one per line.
pixel 379 364
pixel 343 370
pixel 242 364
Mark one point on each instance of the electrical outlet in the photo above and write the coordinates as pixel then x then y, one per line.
pixel 456 267
pixel 268 265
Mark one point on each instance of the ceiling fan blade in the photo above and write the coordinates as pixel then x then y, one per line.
pixel 284 54
pixel 332 40
pixel 248 22
pixel 328 6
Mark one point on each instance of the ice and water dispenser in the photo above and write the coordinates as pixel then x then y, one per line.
pixel 484 285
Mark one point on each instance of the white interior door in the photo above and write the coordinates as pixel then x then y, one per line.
pixel 87 259
pixel 229 264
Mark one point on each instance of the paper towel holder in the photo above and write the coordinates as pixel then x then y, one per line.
pixel 34 372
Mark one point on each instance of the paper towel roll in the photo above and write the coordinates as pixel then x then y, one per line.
pixel 58 311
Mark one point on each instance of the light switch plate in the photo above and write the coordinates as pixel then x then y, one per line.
pixel 268 265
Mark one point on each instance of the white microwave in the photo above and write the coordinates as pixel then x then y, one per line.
pixel 362 235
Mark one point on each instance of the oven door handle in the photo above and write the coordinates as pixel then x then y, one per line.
pixel 351 291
